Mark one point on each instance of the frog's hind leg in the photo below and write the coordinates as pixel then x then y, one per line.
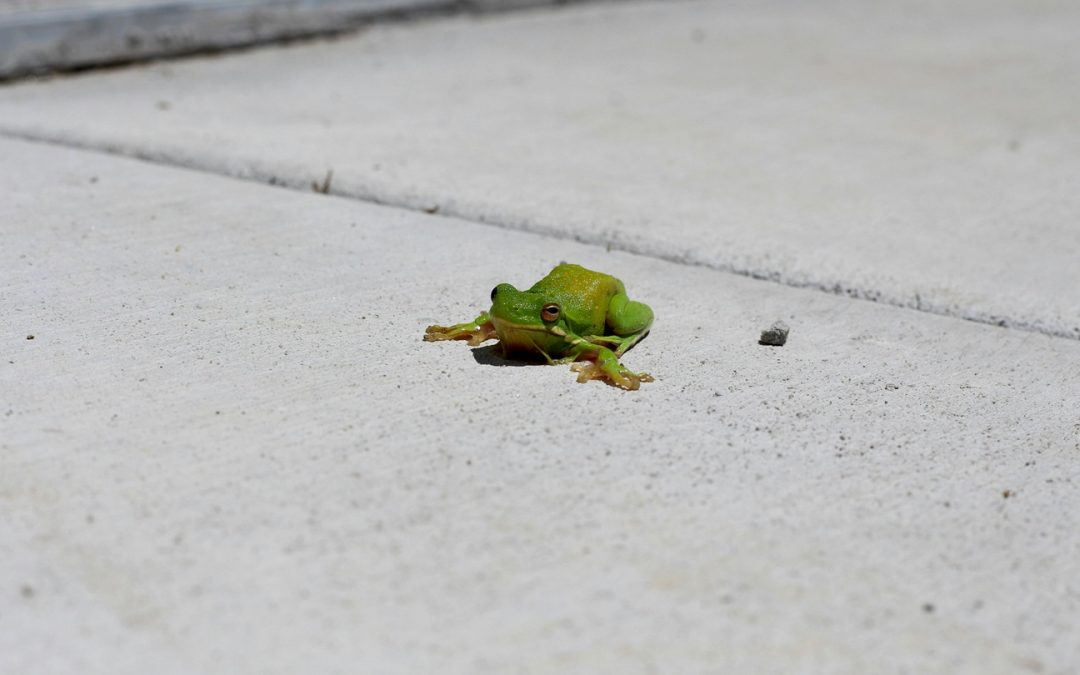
pixel 628 319
pixel 621 344
pixel 628 322
pixel 629 341
pixel 476 332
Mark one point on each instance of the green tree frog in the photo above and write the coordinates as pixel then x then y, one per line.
pixel 571 315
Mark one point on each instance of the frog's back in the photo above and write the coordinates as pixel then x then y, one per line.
pixel 568 275
pixel 585 294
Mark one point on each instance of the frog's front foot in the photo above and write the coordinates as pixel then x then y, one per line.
pixel 476 332
pixel 606 367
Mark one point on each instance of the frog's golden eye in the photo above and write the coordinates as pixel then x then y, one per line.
pixel 550 312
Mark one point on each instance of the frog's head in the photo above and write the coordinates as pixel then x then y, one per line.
pixel 527 322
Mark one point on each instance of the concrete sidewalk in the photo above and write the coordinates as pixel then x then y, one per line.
pixel 227 450
pixel 920 154
pixel 44 36
pixel 224 448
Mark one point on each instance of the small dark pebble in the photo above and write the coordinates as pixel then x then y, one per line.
pixel 775 335
pixel 29 337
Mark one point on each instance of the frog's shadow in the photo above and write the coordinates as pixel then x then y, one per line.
pixel 489 356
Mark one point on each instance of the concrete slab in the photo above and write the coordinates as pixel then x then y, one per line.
pixel 9 8
pixel 40 36
pixel 917 153
pixel 226 450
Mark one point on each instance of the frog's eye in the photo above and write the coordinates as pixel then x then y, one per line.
pixel 550 312
pixel 493 292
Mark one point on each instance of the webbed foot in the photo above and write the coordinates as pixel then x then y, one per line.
pixel 476 332
pixel 606 367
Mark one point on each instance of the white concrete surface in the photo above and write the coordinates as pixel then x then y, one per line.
pixel 227 450
pixel 923 154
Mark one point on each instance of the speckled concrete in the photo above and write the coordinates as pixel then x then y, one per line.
pixel 227 450
pixel 918 153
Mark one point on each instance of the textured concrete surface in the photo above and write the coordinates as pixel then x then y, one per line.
pixel 226 450
pixel 8 7
pixel 46 36
pixel 12 7
pixel 919 153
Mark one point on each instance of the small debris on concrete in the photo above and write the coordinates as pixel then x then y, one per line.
pixel 892 387
pixel 775 335
pixel 29 337
pixel 324 187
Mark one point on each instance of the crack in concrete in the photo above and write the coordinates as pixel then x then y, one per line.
pixel 687 256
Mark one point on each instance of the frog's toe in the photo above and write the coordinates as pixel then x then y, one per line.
pixel 439 333
pixel 436 333
pixel 629 380
pixel 586 370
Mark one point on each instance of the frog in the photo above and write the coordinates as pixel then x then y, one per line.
pixel 573 315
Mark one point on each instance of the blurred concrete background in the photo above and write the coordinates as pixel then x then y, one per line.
pixel 40 36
